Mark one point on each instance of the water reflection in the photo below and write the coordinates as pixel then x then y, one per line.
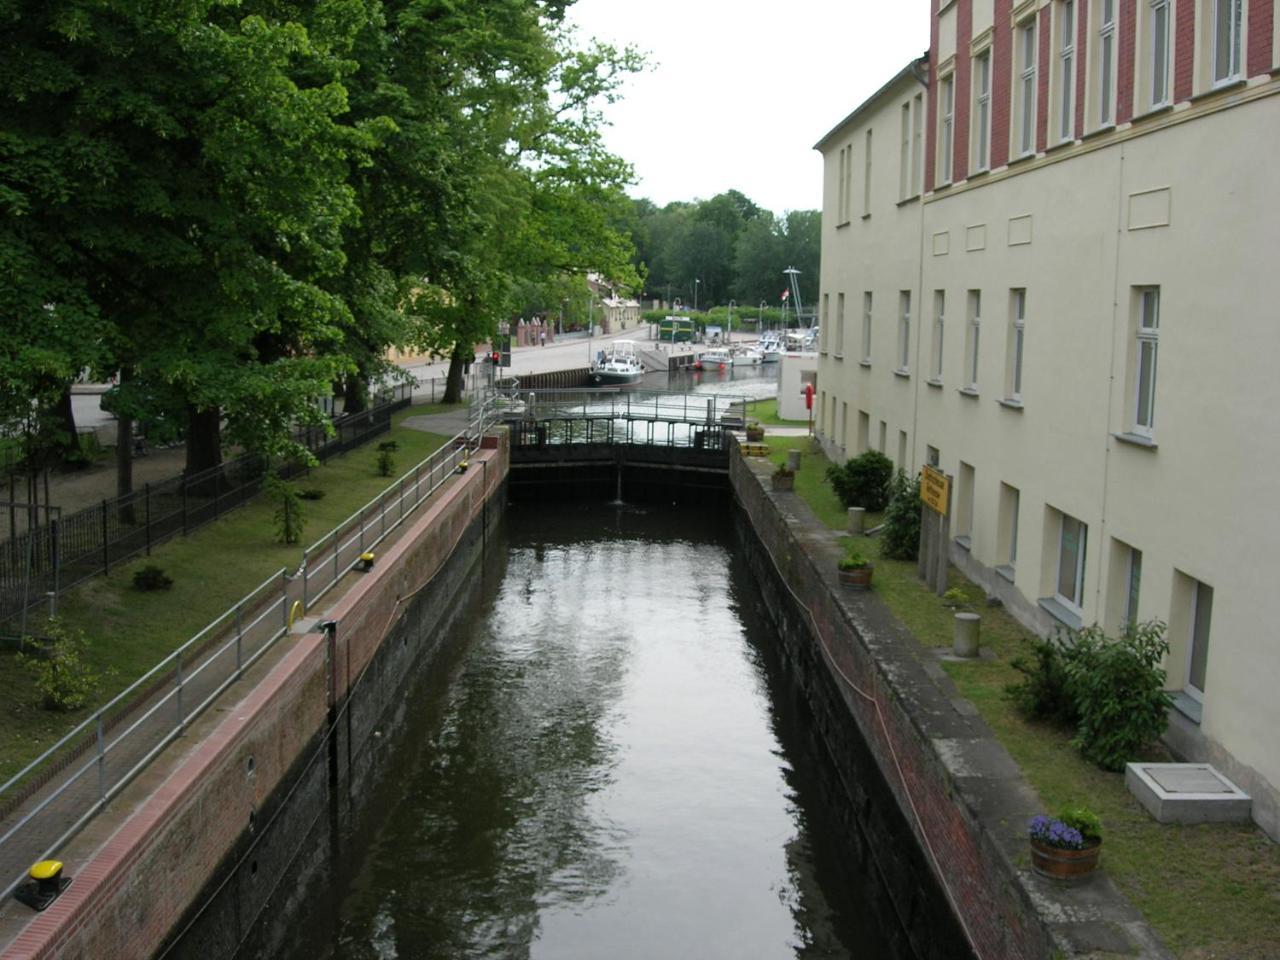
pixel 607 776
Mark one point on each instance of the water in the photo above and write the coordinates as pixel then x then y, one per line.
pixel 609 763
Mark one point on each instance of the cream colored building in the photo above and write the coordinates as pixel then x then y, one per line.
pixel 1051 265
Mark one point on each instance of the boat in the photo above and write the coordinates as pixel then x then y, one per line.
pixel 747 356
pixel 619 365
pixel 714 360
pixel 770 347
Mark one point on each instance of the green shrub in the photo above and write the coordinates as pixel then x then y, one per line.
pixel 1118 689
pixel 863 481
pixel 151 577
pixel 1083 819
pixel 290 518
pixel 311 493
pixel 900 537
pixel 1042 692
pixel 853 558
pixel 63 678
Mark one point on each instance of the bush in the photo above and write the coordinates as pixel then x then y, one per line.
pixel 1042 693
pixel 290 518
pixel 1118 688
pixel 900 539
pixel 863 481
pixel 311 493
pixel 63 678
pixel 151 577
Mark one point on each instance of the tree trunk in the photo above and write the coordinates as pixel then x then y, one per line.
pixel 453 386
pixel 355 395
pixel 66 415
pixel 204 440
pixel 124 463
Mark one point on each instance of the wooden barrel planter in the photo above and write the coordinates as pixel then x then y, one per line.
pixel 1059 864
pixel 858 577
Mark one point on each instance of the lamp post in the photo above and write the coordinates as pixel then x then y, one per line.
pixel 696 282
pixel 760 316
pixel 560 332
pixel 728 337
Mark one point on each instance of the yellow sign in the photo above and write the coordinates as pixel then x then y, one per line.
pixel 935 489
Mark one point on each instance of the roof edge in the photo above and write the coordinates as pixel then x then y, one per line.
pixel 908 70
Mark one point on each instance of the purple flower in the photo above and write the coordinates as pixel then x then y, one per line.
pixel 1055 833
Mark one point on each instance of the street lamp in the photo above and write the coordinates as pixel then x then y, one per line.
pixel 696 281
pixel 760 318
pixel 729 323
pixel 560 332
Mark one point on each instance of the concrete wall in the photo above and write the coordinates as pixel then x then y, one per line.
pixel 937 798
pixel 258 808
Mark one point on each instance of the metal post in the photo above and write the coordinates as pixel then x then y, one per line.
pixel 106 555
pixel 335 556
pixel 284 599
pixel 239 637
pixel 147 492
pixel 382 523
pixel 181 719
pixel 184 506
pixel 304 579
pixel 417 485
pixel 102 762
pixel 402 498
pixel 55 533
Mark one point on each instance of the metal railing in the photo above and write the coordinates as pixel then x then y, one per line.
pixel 52 797
pixel 101 755
pixel 539 418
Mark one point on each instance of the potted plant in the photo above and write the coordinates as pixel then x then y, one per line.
pixel 1065 847
pixel 784 479
pixel 755 432
pixel 855 569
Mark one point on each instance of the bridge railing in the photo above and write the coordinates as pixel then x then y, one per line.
pixel 656 405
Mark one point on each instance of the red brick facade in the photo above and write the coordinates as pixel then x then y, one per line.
pixel 1001 79
pixel 1258 58
pixel 931 98
pixel 1043 68
pixel 1126 28
pixel 964 89
pixel 1184 51
pixel 1082 63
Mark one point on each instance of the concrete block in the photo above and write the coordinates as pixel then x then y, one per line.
pixel 857 520
pixel 793 459
pixel 964 642
pixel 1186 793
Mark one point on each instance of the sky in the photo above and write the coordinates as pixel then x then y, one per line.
pixel 738 91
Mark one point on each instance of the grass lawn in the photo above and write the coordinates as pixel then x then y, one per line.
pixel 1209 891
pixel 766 412
pixel 130 631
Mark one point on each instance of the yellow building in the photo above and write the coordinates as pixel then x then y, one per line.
pixel 1049 266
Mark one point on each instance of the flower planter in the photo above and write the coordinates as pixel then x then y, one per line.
pixel 784 481
pixel 755 434
pixel 859 577
pixel 1059 864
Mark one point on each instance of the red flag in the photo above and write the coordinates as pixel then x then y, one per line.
pixel 785 294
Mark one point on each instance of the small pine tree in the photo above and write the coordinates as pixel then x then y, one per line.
pixel 290 518
pixel 900 539
pixel 61 675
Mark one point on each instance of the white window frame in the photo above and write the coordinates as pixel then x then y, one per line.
pixel 1012 559
pixel 1147 335
pixel 904 331
pixel 1133 588
pixel 1076 602
pixel 1107 64
pixel 1197 693
pixel 824 325
pixel 1160 74
pixel 866 175
pixel 867 303
pixel 904 153
pixel 917 145
pixel 1234 10
pixel 982 110
pixel 1067 69
pixel 939 330
pixel 1019 323
pixel 946 125
pixel 975 329
pixel 1028 53
pixel 839 325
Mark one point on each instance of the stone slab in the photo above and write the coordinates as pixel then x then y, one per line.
pixel 1186 793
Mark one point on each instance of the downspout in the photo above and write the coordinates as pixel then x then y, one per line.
pixel 923 80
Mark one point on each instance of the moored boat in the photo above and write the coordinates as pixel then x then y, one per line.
pixel 714 360
pixel 619 365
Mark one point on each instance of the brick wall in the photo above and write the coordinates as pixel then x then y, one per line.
pixel 1126 39
pixel 1082 62
pixel 931 101
pixel 1184 51
pixel 1043 67
pixel 963 90
pixel 1261 31
pixel 1001 83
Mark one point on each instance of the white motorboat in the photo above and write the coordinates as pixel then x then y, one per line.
pixel 619 365
pixel 770 347
pixel 748 357
pixel 714 360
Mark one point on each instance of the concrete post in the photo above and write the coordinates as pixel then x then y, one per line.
pixel 965 640
pixel 793 460
pixel 857 520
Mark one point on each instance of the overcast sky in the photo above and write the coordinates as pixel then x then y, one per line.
pixel 763 80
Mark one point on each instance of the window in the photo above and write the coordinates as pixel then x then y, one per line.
pixel 1198 641
pixel 1007 532
pixel 902 450
pixel 964 504
pixel 1017 323
pixel 1025 92
pixel 884 435
pixel 904 331
pixel 939 325
pixel 1067 69
pixel 844 159
pixel 972 330
pixel 904 155
pixel 1227 15
pixel 1106 62
pixel 844 426
pixel 845 186
pixel 866 327
pixel 1146 342
pixel 864 431
pixel 1159 29
pixel 839 324
pixel 1073 539
pixel 982 113
pixel 917 135
pixel 866 178
pixel 947 114
pixel 1133 585
pixel 824 326
pixel 932 456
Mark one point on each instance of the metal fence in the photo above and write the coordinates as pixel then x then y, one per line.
pixel 540 418
pixel 49 800
pixel 69 549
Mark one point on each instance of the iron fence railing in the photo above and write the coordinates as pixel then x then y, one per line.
pixel 52 797
pixel 549 417
pixel 55 556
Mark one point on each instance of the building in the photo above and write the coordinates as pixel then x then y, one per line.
pixel 1059 201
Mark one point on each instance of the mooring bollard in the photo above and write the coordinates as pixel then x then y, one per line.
pixel 793 460
pixel 965 640
pixel 857 520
